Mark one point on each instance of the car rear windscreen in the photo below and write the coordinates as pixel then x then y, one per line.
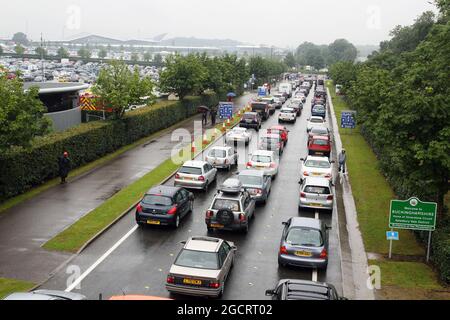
pixel 197 259
pixel 317 190
pixel 218 153
pixel 262 159
pixel 251 180
pixel 287 111
pixel 317 120
pixel 157 200
pixel 318 164
pixel 304 237
pixel 259 106
pixel 229 204
pixel 190 170
pixel 320 142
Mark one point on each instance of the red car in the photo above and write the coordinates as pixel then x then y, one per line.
pixel 319 146
pixel 282 131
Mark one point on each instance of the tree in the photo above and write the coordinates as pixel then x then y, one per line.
pixel 147 56
pixel 344 73
pixel 183 75
pixel 63 53
pixel 84 53
pixel 290 60
pixel 21 114
pixel 41 51
pixel 119 88
pixel 19 49
pixel 342 50
pixel 134 57
pixel 102 53
pixel 158 60
pixel 21 38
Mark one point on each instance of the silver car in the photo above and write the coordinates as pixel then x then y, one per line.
pixel 202 267
pixel 222 157
pixel 304 243
pixel 195 175
pixel 316 193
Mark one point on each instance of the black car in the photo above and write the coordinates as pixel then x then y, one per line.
pixel 304 290
pixel 164 205
pixel 319 111
pixel 251 120
pixel 262 108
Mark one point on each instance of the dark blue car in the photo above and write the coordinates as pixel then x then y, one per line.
pixel 319 111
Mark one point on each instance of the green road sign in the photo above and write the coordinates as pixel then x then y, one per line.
pixel 413 214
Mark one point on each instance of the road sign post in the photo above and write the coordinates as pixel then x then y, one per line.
pixel 392 236
pixel 414 214
pixel 348 120
pixel 226 110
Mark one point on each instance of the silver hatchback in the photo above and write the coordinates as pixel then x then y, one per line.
pixel 195 175
pixel 316 193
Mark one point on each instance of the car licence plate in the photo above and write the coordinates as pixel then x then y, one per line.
pixel 192 282
pixel 217 226
pixel 305 254
pixel 154 222
pixel 188 179
pixel 316 205
pixel 316 174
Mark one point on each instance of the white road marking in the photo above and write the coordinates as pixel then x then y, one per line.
pixel 101 259
pixel 315 273
pixel 317 217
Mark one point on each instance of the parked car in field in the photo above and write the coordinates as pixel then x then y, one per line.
pixel 303 290
pixel 164 205
pixel 202 267
pixel 315 121
pixel 237 135
pixel 304 243
pixel 196 175
pixel 251 120
pixel 232 208
pixel 318 167
pixel 257 184
pixel 316 193
pixel 266 161
pixel 222 157
pixel 319 146
pixel 271 142
pixel 45 295
pixel 287 115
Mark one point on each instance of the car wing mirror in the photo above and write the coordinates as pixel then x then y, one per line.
pixel 270 292
pixel 284 223
pixel 183 242
pixel 234 248
pixel 329 227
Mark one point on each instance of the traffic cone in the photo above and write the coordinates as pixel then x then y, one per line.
pixel 223 127
pixel 205 139
pixel 228 123
pixel 193 149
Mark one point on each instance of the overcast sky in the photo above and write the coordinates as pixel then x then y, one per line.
pixel 284 23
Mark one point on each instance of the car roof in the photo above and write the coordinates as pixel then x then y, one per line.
pixel 320 182
pixel 45 295
pixel 249 172
pixel 278 128
pixel 305 222
pixel 287 108
pixel 164 190
pixel 263 153
pixel 251 113
pixel 220 148
pixel 307 290
pixel 317 117
pixel 206 244
pixel 320 138
pixel 317 158
pixel 270 135
pixel 195 164
pixel 136 298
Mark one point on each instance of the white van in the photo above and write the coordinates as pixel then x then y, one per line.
pixel 285 87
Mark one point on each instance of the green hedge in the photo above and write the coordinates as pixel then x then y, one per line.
pixel 22 169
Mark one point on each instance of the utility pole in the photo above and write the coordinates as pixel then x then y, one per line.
pixel 42 60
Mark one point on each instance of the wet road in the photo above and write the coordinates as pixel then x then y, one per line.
pixel 139 265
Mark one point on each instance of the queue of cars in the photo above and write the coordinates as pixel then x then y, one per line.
pixel 204 263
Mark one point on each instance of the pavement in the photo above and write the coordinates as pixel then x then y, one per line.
pixel 27 226
pixel 128 259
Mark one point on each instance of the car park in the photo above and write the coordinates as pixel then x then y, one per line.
pixel 271 142
pixel 231 209
pixel 287 115
pixel 319 146
pixel 318 167
pixel 251 120
pixel 316 193
pixel 196 175
pixel 45 295
pixel 202 267
pixel 315 121
pixel 222 157
pixel 237 135
pixel 257 184
pixel 264 160
pixel 164 205
pixel 293 289
pixel 304 243
pixel 319 111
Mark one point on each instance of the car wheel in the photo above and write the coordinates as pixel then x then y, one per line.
pixel 177 222
pixel 206 186
pixel 191 207
pixel 141 224
pixel 281 264
pixel 222 290
pixel 210 230
pixel 245 230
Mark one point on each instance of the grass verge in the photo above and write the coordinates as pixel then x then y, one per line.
pixel 8 286
pixel 78 234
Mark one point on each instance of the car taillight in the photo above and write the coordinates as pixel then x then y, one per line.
pixel 249 164
pixel 324 254
pixel 259 191
pixel 209 214
pixel 242 217
pixel 328 176
pixel 201 178
pixel 172 211
pixel 330 197
pixel 227 162
pixel 306 174
pixel 139 208
pixel 214 285
pixel 302 195
pixel 283 250
pixel 170 279
pixel 273 165
pixel 177 176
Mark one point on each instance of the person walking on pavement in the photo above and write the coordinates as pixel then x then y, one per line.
pixel 205 118
pixel 64 166
pixel 213 117
pixel 342 161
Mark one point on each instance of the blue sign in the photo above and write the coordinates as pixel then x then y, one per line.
pixel 392 235
pixel 262 92
pixel 348 120
pixel 226 110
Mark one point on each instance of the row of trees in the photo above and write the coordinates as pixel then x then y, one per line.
pixel 402 97
pixel 320 56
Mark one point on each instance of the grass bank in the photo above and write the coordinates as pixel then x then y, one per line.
pixel 372 195
pixel 78 234
pixel 8 286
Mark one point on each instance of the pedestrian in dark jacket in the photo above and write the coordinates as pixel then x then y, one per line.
pixel 64 166
pixel 342 161
pixel 213 117
pixel 205 118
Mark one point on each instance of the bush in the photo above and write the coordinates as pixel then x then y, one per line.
pixel 22 169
